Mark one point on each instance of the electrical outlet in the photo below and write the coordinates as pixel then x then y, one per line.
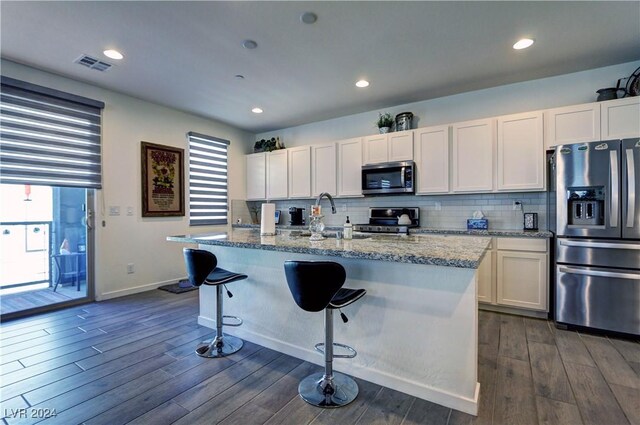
pixel 114 210
pixel 129 211
pixel 130 268
pixel 516 205
pixel 438 206
pixel 344 208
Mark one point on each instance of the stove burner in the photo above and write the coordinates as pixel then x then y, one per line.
pixel 385 220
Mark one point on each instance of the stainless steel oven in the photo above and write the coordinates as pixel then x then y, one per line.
pixel 388 178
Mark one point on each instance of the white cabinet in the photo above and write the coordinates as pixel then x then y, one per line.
pixel 300 172
pixel 323 169
pixel 486 278
pixel 277 174
pixel 388 147
pixel 572 124
pixel 522 273
pixel 473 145
pixel 432 159
pixel 620 118
pixel 349 167
pixel 256 171
pixel 520 152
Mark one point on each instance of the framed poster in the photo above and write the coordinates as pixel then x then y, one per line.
pixel 162 180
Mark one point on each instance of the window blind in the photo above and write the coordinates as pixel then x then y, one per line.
pixel 208 201
pixel 48 137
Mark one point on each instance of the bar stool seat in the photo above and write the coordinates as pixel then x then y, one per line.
pixel 317 286
pixel 202 270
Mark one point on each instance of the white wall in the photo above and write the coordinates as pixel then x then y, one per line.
pixel 126 122
pixel 568 89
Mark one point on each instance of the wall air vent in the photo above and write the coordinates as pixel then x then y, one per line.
pixel 93 63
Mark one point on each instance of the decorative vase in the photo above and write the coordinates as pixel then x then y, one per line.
pixel 384 130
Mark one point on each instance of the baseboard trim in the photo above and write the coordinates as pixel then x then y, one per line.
pixel 135 289
pixel 514 310
pixel 416 389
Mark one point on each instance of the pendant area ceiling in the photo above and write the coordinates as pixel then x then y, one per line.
pixel 186 54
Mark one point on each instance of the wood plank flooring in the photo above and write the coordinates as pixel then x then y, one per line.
pixel 40 297
pixel 131 360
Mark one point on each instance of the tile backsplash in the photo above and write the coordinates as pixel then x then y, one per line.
pixel 436 211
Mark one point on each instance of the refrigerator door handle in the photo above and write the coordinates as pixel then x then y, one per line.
pixel 631 182
pixel 599 273
pixel 599 245
pixel 615 189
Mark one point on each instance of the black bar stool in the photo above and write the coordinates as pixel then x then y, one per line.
pixel 201 268
pixel 317 285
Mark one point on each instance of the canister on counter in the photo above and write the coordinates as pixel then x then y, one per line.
pixel 403 121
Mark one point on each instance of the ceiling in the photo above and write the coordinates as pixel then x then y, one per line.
pixel 186 54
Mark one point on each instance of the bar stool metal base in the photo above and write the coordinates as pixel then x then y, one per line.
pixel 335 391
pixel 219 347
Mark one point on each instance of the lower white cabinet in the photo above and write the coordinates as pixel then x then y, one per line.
pixel 514 273
pixel 349 167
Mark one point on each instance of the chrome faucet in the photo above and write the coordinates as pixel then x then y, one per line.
pixel 326 194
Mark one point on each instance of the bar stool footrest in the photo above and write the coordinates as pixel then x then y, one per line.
pixel 352 353
pixel 238 323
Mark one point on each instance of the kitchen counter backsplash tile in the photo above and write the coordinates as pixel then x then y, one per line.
pixel 453 213
pixel 438 250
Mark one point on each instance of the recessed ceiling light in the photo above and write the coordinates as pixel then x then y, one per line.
pixel 257 110
pixel 249 44
pixel 362 83
pixel 523 43
pixel 113 54
pixel 309 17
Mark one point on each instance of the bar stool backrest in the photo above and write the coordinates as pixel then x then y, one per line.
pixel 200 264
pixel 314 283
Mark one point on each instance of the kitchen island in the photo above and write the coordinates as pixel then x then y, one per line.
pixel 415 331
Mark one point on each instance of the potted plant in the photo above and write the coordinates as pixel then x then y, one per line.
pixel 384 123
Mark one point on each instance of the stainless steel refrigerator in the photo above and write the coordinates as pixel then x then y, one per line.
pixel 597 282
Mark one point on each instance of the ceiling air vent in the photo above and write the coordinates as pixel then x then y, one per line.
pixel 93 63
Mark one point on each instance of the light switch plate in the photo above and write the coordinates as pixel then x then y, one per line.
pixel 114 210
pixel 129 211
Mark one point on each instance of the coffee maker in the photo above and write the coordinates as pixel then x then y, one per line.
pixel 297 216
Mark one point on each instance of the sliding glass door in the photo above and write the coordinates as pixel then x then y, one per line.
pixel 45 248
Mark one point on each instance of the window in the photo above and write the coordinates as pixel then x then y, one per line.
pixel 48 137
pixel 208 201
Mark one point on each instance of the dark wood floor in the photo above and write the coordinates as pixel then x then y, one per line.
pixel 131 360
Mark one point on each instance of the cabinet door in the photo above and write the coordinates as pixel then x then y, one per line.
pixel 522 279
pixel 300 172
pixel 350 167
pixel 323 169
pixel 521 152
pixel 620 119
pixel 432 159
pixel 400 146
pixel 572 124
pixel 485 279
pixel 473 144
pixel 256 171
pixel 277 180
pixel 375 149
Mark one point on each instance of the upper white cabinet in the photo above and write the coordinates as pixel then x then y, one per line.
pixel 300 172
pixel 432 159
pixel 520 152
pixel 620 118
pixel 323 169
pixel 256 170
pixel 572 124
pixel 349 167
pixel 277 174
pixel 473 146
pixel 388 147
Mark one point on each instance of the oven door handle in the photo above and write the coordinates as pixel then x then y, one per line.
pixel 599 245
pixel 598 273
pixel 403 171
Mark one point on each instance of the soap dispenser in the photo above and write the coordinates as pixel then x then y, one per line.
pixel 348 229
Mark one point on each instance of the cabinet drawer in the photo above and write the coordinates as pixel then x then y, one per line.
pixel 522 244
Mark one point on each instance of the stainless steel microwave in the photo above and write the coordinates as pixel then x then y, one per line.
pixel 388 178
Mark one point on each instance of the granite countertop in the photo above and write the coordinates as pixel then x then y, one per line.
pixel 427 230
pixel 438 250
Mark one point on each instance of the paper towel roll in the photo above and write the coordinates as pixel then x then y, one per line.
pixel 268 220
